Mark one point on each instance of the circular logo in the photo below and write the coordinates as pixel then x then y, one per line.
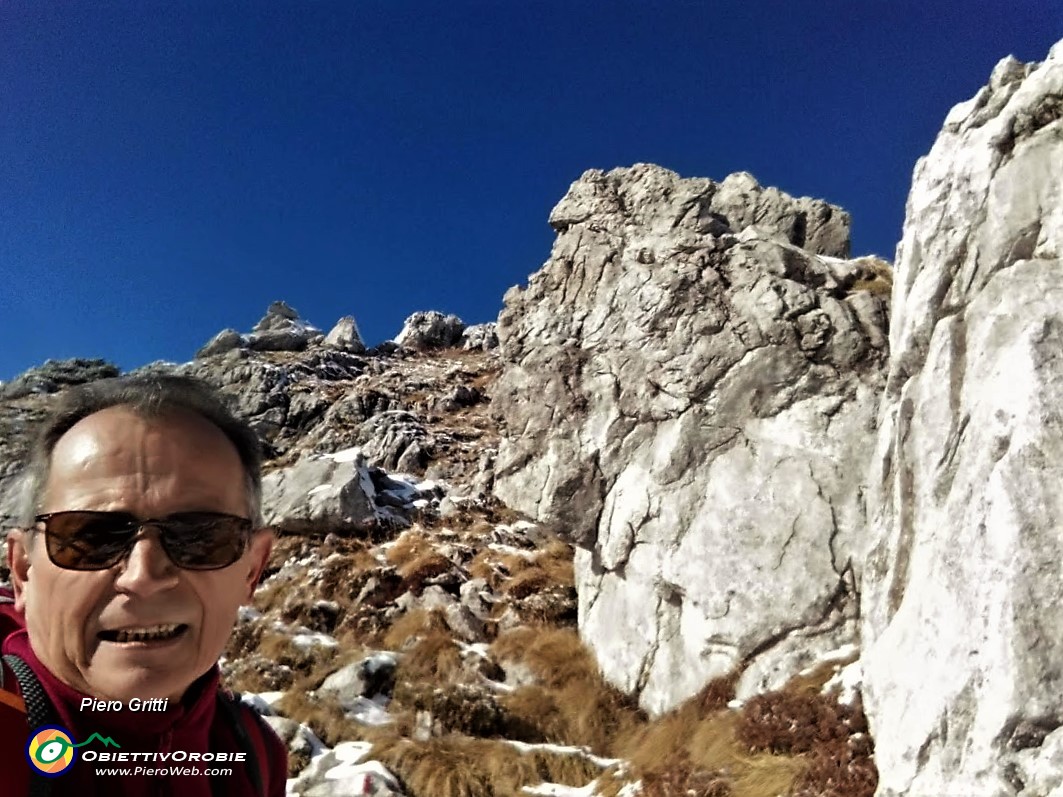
pixel 50 750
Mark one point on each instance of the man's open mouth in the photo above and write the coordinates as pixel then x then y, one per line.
pixel 153 633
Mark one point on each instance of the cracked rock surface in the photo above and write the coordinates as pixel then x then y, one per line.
pixel 962 595
pixel 689 395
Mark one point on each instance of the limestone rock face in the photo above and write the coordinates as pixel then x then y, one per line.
pixel 430 330
pixel 962 596
pixel 692 402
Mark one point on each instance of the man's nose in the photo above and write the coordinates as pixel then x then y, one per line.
pixel 147 569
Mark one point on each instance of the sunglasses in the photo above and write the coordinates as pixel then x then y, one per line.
pixel 100 540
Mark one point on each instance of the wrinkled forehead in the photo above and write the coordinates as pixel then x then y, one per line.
pixel 116 459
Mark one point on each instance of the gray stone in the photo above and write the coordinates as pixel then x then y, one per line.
pixel 345 336
pixel 692 411
pixel 962 601
pixel 319 494
pixel 224 341
pixel 300 740
pixel 430 330
pixel 373 675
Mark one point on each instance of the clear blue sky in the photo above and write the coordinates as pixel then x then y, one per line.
pixel 169 168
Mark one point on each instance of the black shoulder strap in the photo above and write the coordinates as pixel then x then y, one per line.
pixel 230 707
pixel 39 711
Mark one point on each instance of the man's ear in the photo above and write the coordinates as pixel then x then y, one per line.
pixel 261 547
pixel 19 542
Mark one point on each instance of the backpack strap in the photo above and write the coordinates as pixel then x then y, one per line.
pixel 39 711
pixel 232 709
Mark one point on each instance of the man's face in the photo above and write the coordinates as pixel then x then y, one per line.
pixel 116 461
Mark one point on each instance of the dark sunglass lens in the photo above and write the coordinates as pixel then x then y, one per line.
pixel 202 541
pixel 88 540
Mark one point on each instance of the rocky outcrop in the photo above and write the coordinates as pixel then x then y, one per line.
pixel 480 336
pixel 962 596
pixel 688 395
pixel 281 329
pixel 430 330
pixel 55 375
pixel 705 207
pixel 345 336
pixel 224 341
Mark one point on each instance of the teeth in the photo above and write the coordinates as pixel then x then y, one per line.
pixel 146 634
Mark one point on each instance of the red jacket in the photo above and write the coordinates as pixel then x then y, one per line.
pixel 196 725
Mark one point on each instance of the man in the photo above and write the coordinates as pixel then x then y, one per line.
pixel 141 538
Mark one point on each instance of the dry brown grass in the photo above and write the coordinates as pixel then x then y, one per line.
pixel 876 277
pixel 456 766
pixel 277 647
pixel 556 656
pixel 572 703
pixel 409 627
pixel 409 545
pixel 417 571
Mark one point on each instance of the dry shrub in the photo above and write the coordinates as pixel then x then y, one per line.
pixel 596 713
pixel 822 732
pixel 840 772
pixel 416 571
pixel 694 749
pixel 789 723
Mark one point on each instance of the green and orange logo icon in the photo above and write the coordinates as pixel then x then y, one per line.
pixel 51 750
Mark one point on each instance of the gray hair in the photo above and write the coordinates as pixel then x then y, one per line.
pixel 150 396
